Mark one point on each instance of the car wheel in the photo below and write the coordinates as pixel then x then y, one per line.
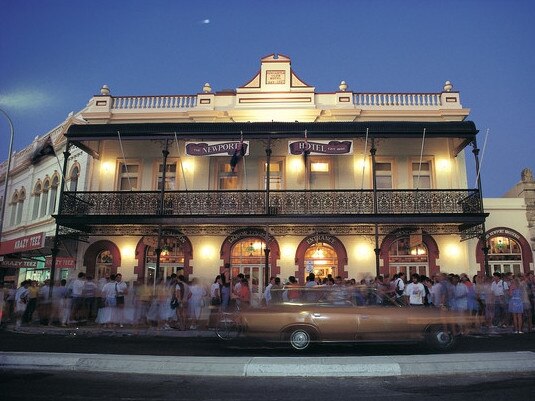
pixel 300 339
pixel 440 338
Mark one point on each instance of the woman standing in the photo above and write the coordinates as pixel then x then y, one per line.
pixel 196 302
pixel 516 305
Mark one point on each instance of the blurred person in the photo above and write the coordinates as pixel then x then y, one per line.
pixel 89 294
pixel 121 290
pixel 460 294
pixel 106 315
pixel 499 289
pixel 526 291
pixel 11 290
pixel 165 292
pixel 183 294
pixel 399 287
pixel 77 302
pixel 142 299
pixel 22 297
pixel 33 293
pixel 44 303
pixel 291 292
pixel 516 305
pixel 196 303
pixel 276 292
pixel 225 287
pixel 215 301
pixel 244 295
pixel 58 313
pixel 309 294
pixel 267 291
pixel 3 296
pixel 415 291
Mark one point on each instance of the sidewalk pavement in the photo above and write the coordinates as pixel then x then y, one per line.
pixel 302 366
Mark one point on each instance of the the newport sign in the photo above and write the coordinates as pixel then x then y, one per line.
pixel 215 148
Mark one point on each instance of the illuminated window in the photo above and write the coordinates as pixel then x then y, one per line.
pixel 170 176
pixel 383 173
pixel 320 259
pixel 128 176
pixel 226 178
pixel 421 175
pixel 275 175
pixel 320 173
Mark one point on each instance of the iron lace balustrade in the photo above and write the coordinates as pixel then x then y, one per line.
pixel 291 202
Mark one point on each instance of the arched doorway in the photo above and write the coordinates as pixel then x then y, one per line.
pixel 509 252
pixel 102 259
pixel 398 255
pixel 174 258
pixel 244 250
pixel 321 254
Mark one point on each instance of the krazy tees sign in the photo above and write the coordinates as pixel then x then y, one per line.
pixel 23 244
pixel 215 148
pixel 319 147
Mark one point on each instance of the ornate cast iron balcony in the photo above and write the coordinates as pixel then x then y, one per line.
pixel 291 203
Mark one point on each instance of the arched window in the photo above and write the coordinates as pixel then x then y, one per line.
pixel 20 205
pixel 53 194
pixel 403 258
pixel 320 259
pixel 73 177
pixel 44 197
pixel 505 255
pixel 14 203
pixel 37 189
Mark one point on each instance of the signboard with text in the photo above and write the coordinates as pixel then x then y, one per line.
pixel 320 147
pixel 215 148
pixel 23 244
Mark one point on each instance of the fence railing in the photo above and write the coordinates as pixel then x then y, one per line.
pixel 320 202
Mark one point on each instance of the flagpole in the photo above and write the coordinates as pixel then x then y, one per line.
pixel 482 156
pixel 12 133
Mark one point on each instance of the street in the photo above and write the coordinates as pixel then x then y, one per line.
pixel 52 386
pixel 129 344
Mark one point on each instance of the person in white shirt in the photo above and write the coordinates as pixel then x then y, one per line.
pixel 267 292
pixel 499 288
pixel 415 291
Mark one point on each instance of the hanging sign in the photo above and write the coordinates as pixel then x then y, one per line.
pixel 321 147
pixel 22 244
pixel 215 148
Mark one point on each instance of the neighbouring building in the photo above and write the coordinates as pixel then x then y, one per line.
pixel 272 178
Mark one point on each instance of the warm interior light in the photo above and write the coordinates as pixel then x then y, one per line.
pixel 361 163
pixel 362 251
pixel 443 165
pixel 453 250
pixel 187 165
pixel 128 251
pixel 106 167
pixel 207 251
pixel 297 164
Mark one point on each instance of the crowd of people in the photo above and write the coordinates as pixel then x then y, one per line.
pixel 503 300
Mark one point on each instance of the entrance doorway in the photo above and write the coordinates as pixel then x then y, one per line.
pixel 248 257
pixel 403 258
pixel 320 259
pixel 505 255
pixel 171 261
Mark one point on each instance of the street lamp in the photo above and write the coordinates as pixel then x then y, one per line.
pixel 7 173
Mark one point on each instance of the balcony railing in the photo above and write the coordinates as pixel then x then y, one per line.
pixel 291 203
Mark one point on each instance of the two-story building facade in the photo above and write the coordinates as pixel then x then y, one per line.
pixel 342 183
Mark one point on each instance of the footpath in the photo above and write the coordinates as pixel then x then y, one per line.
pixel 303 366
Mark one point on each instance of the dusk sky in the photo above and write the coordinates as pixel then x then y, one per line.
pixel 56 54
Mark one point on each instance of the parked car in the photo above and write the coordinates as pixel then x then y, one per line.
pixel 380 320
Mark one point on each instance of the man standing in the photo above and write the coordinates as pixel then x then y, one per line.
pixel 415 291
pixel 77 305
pixel 121 289
pixel 399 286
pixel 499 288
pixel 267 292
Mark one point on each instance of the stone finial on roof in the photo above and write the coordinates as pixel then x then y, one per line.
pixel 105 90
pixel 527 175
pixel 343 86
pixel 448 86
pixel 207 88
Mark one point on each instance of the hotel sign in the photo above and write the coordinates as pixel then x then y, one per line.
pixel 23 244
pixel 319 147
pixel 215 148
